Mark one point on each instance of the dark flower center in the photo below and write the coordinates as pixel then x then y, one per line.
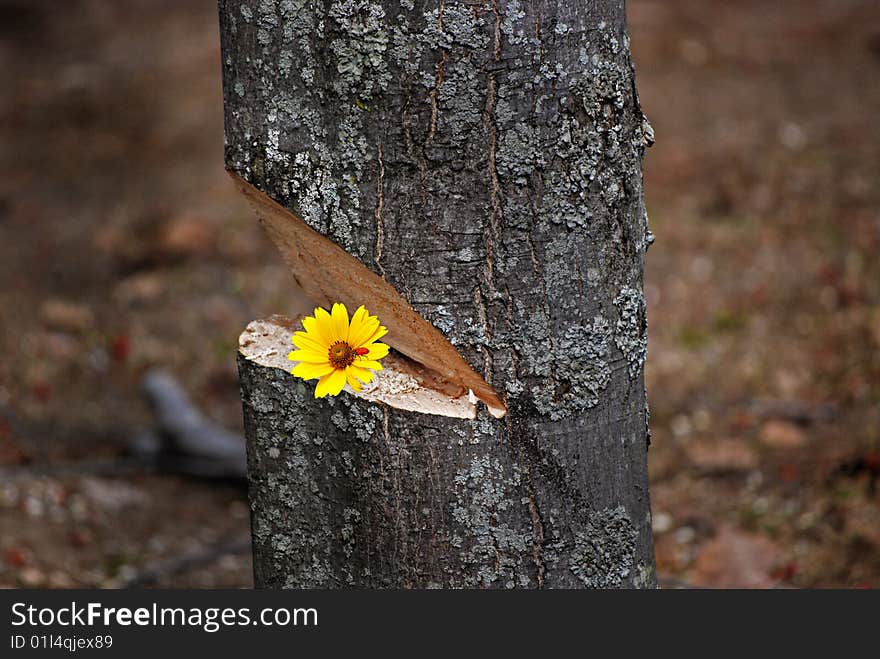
pixel 341 354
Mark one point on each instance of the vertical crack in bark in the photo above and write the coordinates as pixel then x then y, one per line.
pixel 514 352
pixel 538 535
pixel 433 95
pixel 401 527
pixel 438 80
pixel 385 425
pixel 545 298
pixel 496 218
pixel 411 151
pixel 538 530
pixel 436 500
pixel 484 324
pixel 580 280
pixel 380 204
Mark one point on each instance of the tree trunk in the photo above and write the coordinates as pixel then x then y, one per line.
pixel 484 159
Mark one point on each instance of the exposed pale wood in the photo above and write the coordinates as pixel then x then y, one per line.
pixel 401 383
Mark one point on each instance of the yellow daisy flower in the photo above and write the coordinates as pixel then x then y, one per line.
pixel 336 351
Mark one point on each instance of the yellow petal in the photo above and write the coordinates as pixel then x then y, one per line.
pixel 361 374
pixel 367 329
pixel 357 318
pixel 362 327
pixel 314 329
pixel 308 356
pixel 309 341
pixel 378 334
pixel 367 363
pixel 308 371
pixel 324 326
pixel 353 382
pixel 377 351
pixel 331 384
pixel 339 316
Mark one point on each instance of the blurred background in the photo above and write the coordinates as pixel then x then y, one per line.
pixel 124 247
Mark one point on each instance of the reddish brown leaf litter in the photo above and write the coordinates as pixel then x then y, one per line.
pixel 734 559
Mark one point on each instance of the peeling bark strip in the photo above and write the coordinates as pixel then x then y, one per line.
pixel 484 158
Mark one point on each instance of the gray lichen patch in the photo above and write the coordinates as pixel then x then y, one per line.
pixel 631 334
pixel 361 423
pixel 582 362
pixel 359 50
pixel 454 25
pixel 573 370
pixel 485 492
pixel 512 25
pixel 520 152
pixel 604 552
pixel 589 131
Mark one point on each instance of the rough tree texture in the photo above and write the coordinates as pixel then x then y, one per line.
pixel 485 158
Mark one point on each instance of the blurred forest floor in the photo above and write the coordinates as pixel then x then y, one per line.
pixel 124 246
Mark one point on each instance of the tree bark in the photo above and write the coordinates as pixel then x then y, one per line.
pixel 484 159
